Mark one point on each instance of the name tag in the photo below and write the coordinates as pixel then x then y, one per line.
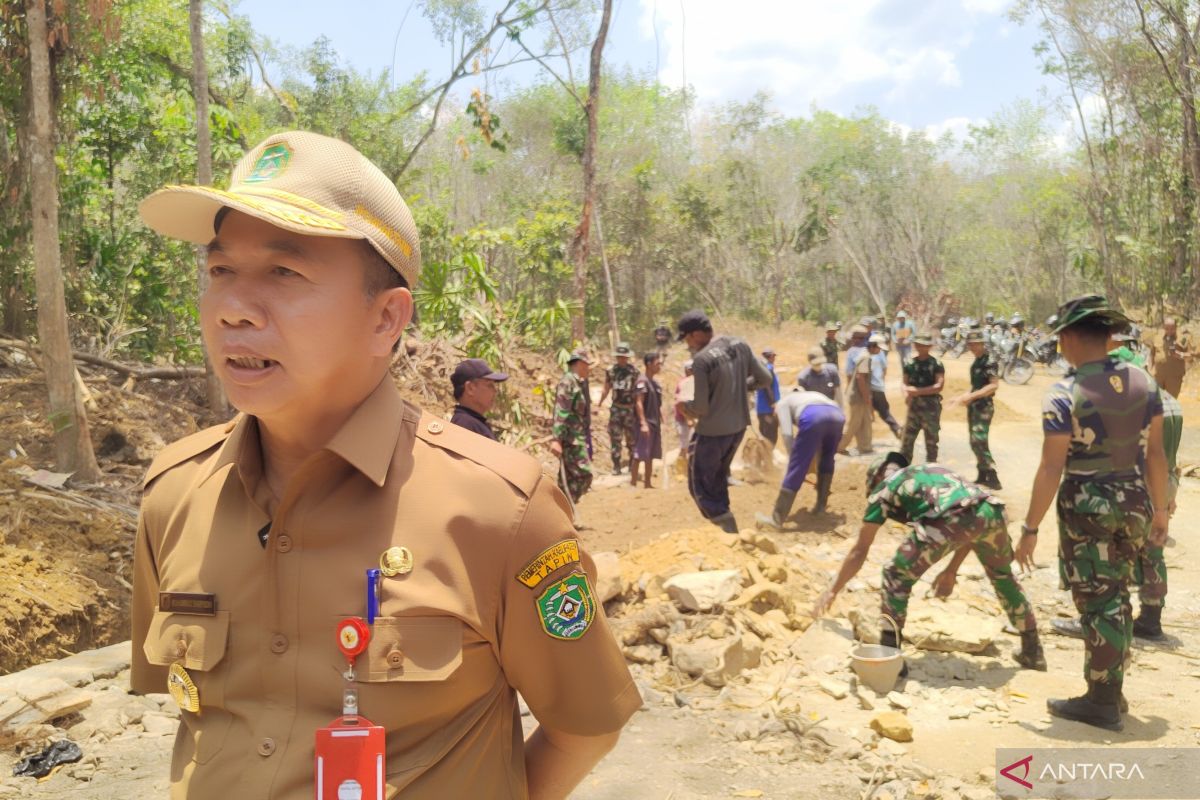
pixel 188 603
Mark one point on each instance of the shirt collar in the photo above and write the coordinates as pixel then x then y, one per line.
pixel 367 439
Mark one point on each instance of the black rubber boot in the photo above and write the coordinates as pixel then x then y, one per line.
pixel 1068 627
pixel 725 522
pixel 783 507
pixel 989 479
pixel 888 639
pixel 1148 624
pixel 824 486
pixel 1101 707
pixel 1030 656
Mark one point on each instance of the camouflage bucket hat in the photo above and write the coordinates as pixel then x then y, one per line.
pixel 1089 306
pixel 623 349
pixel 976 336
pixel 878 468
pixel 923 339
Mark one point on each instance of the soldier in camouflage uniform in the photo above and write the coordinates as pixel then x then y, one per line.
pixel 947 514
pixel 573 427
pixel 621 380
pixel 829 345
pixel 985 380
pixel 1152 590
pixel 924 377
pixel 1103 425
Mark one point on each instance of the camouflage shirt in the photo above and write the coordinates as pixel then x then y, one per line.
pixel 922 373
pixel 1172 432
pixel 831 350
pixel 1106 407
pixel 572 409
pixel 984 370
pixel 923 492
pixel 622 380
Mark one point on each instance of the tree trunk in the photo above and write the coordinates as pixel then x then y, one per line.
pixel 615 336
pixel 72 444
pixel 204 176
pixel 579 248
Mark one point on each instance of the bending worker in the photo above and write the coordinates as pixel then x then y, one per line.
pixel 811 425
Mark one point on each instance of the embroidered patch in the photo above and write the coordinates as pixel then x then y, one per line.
pixel 1117 384
pixel 567 608
pixel 270 164
pixel 552 558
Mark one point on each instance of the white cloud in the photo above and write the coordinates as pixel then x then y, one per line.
pixel 958 126
pixel 987 6
pixel 834 55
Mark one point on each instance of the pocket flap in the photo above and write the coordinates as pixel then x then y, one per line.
pixel 197 642
pixel 414 649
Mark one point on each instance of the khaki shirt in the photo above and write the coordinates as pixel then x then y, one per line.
pixel 458 636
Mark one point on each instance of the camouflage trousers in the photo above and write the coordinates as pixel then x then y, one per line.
pixel 979 424
pixel 577 469
pixel 924 414
pixel 984 528
pixel 1102 533
pixel 622 431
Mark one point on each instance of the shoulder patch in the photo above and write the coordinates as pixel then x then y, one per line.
pixel 519 469
pixel 567 608
pixel 553 557
pixel 186 448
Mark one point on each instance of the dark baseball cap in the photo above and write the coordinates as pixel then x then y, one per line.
pixel 692 321
pixel 474 368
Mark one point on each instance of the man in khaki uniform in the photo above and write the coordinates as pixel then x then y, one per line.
pixel 1169 353
pixel 255 537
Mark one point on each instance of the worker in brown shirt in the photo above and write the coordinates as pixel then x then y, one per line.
pixel 1169 353
pixel 255 537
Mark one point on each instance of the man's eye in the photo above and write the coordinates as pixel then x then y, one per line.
pixel 217 269
pixel 284 271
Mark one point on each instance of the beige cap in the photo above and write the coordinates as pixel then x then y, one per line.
pixel 816 356
pixel 305 183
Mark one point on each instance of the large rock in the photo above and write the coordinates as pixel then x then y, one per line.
pixel 701 591
pixel 951 632
pixel 893 725
pixel 716 660
pixel 608 575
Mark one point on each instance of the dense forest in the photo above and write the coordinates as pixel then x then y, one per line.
pixel 737 209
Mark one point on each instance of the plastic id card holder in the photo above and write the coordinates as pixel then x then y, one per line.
pixel 349 760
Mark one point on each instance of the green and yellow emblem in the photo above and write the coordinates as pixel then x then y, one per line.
pixel 567 608
pixel 270 164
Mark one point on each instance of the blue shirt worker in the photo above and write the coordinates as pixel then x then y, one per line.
pixel 765 400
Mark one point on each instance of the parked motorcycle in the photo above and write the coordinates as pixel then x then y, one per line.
pixel 1016 364
pixel 1045 352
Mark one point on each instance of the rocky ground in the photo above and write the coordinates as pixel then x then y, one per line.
pixel 745 696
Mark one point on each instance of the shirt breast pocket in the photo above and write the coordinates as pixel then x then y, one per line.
pixel 408 649
pixel 200 645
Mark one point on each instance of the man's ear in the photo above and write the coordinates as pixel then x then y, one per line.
pixel 393 310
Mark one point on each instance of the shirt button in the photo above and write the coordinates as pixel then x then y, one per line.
pixel 266 747
pixel 279 643
pixel 283 543
pixel 395 659
pixel 435 427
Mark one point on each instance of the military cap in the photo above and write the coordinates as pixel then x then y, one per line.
pixel 692 321
pixel 623 349
pixel 878 468
pixel 833 326
pixel 304 183
pixel 1089 306
pixel 579 355
pixel 923 339
pixel 816 356
pixel 975 335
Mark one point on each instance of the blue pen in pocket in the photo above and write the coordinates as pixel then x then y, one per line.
pixel 372 595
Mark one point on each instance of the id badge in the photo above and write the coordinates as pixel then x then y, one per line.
pixel 349 760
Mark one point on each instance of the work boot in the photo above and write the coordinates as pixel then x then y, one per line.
pixel 888 639
pixel 783 507
pixel 1148 624
pixel 725 522
pixel 1101 706
pixel 1030 656
pixel 989 479
pixel 824 485
pixel 1068 627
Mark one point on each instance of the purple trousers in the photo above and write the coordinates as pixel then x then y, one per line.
pixel 819 431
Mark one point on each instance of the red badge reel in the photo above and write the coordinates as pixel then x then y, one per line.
pixel 349 754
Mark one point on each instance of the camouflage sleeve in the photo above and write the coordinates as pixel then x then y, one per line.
pixel 993 371
pixel 874 515
pixel 938 367
pixel 564 407
pixel 1056 410
pixel 879 503
pixel 1154 402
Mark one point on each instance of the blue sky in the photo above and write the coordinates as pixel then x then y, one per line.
pixel 925 64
